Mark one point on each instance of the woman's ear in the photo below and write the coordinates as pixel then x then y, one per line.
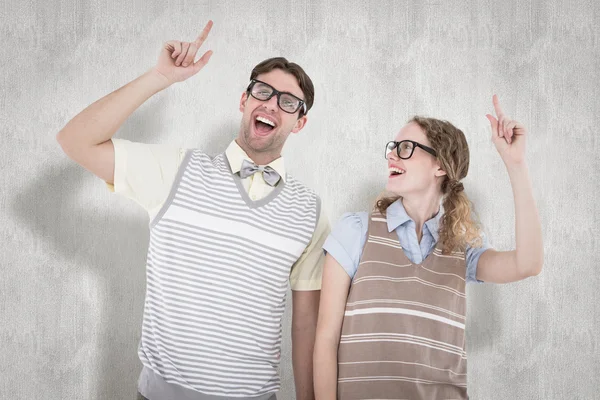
pixel 440 171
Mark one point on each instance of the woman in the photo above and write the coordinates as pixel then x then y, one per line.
pixel 392 313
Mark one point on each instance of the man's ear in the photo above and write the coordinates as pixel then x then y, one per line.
pixel 299 124
pixel 243 101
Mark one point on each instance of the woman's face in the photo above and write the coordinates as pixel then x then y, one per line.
pixel 415 175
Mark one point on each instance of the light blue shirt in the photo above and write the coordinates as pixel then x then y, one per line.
pixel 346 241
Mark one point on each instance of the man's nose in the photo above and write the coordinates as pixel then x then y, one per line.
pixel 271 104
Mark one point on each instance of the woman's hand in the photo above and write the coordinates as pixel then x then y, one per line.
pixel 508 136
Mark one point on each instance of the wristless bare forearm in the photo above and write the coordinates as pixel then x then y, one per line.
pixel 529 251
pixel 100 121
pixel 325 372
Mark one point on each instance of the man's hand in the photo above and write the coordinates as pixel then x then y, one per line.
pixel 176 60
pixel 86 138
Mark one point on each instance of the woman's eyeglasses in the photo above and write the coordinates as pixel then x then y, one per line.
pixel 405 149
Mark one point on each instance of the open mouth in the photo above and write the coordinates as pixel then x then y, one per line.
pixel 264 125
pixel 394 172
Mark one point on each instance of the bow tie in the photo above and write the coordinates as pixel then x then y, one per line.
pixel 269 174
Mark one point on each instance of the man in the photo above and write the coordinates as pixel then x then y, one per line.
pixel 226 234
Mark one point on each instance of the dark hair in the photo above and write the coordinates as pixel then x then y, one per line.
pixel 283 64
pixel 457 228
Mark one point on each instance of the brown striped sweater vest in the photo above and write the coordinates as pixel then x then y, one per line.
pixel 403 335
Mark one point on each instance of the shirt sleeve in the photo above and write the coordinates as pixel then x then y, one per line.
pixel 145 173
pixel 347 240
pixel 473 254
pixel 307 272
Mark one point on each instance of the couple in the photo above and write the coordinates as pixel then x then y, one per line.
pixel 384 309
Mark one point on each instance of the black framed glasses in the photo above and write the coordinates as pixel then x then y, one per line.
pixel 406 148
pixel 286 101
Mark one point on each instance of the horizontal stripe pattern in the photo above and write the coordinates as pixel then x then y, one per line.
pixel 416 304
pixel 404 325
pixel 406 311
pixel 217 277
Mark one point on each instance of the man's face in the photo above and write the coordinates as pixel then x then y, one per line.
pixel 269 136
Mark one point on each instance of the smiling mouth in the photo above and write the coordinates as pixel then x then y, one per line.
pixel 263 125
pixel 394 172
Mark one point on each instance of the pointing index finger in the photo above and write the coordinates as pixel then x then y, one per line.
pixel 200 39
pixel 497 107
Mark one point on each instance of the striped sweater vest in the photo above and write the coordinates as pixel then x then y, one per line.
pixel 218 269
pixel 403 334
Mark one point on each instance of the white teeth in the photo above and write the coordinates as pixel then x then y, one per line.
pixel 397 170
pixel 265 120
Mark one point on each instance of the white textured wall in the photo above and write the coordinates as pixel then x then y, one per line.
pixel 72 255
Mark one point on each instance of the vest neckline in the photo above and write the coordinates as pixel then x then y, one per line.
pixel 244 194
pixel 394 236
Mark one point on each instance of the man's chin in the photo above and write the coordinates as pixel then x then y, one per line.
pixel 258 143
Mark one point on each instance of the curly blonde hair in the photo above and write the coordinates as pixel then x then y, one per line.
pixel 458 227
